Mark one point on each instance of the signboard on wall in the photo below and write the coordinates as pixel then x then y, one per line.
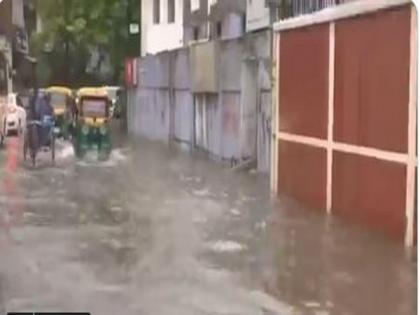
pixel 131 72
pixel 134 28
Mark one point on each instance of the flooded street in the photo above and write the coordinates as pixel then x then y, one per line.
pixel 158 231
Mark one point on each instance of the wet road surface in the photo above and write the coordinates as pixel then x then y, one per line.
pixel 157 231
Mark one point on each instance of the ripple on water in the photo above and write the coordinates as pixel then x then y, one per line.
pixel 116 158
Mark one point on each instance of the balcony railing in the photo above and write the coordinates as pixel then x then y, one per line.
pixel 292 8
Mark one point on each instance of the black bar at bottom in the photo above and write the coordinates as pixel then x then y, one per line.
pixel 52 313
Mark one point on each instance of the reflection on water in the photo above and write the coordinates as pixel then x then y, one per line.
pixel 91 159
pixel 324 264
pixel 10 213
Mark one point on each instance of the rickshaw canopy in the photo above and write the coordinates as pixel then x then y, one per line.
pixel 92 92
pixel 59 98
pixel 60 89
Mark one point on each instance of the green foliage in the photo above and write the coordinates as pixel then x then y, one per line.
pixel 72 29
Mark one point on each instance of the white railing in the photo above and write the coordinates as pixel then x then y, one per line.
pixel 291 8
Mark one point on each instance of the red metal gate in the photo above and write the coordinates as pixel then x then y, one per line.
pixel 346 113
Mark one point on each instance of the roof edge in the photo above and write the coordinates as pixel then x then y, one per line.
pixel 337 12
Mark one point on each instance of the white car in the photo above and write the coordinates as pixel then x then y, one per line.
pixel 13 117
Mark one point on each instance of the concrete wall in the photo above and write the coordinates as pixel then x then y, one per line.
pixel 204 58
pixel 257 97
pixel 232 26
pixel 346 114
pixel 183 109
pixel 163 36
pixel 150 101
pixel 224 123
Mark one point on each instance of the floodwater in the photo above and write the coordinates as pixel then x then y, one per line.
pixel 157 231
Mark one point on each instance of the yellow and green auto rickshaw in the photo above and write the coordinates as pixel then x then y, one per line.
pixel 92 127
pixel 62 101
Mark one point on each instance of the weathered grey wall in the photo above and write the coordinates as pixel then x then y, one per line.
pixel 230 124
pixel 230 65
pixel 150 102
pixel 258 48
pixel 255 114
pixel 264 132
pixel 152 114
pixel 183 113
pixel 204 67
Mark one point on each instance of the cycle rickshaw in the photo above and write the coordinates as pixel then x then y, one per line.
pixel 40 130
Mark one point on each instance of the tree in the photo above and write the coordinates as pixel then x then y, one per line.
pixel 73 30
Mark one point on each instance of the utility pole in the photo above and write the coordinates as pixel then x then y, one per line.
pixel 140 21
pixel 66 41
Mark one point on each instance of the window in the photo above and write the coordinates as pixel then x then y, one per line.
pixel 171 11
pixel 94 107
pixel 156 11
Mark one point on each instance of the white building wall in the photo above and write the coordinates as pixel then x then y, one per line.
pixel 17 13
pixel 162 36
pixel 258 15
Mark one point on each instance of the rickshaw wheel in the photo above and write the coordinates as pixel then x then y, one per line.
pixel 53 147
pixel 32 142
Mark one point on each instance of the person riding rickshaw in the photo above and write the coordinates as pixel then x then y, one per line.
pixel 92 130
pixel 62 101
pixel 39 131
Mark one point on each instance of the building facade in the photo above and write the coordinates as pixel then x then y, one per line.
pixel 14 59
pixel 162 25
